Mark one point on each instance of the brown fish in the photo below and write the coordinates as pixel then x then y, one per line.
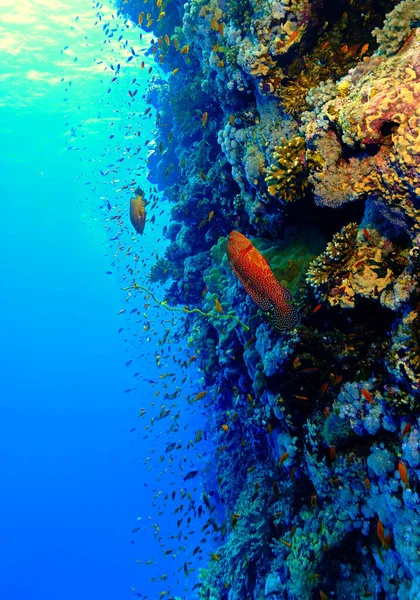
pixel 137 211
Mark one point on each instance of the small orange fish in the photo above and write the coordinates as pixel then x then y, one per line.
pixel 364 49
pixel 221 29
pixel 286 543
pixel 290 263
pixel 292 474
pixel 352 51
pixel 296 362
pixel 232 119
pixel 225 427
pixel 185 49
pixel 367 483
pixel 216 47
pixel 326 412
pixel 325 45
pixel 350 459
pixel 167 40
pixel 249 342
pixel 203 176
pixel 368 396
pixel 359 262
pixel 200 395
pixel 282 458
pixel 385 539
pixel 405 430
pixel 344 48
pixel 250 400
pixel 332 453
pixel 269 428
pixel 176 43
pixel 402 469
pixel 204 118
pixel 317 308
pixel 234 519
pixel 293 35
pixel 301 397
pixel 366 233
pixel 314 501
pixel 337 380
pixel 218 306
pixel 141 18
pixel 211 215
pixel 215 557
pixel 324 388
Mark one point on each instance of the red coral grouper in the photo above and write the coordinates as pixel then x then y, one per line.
pixel 253 271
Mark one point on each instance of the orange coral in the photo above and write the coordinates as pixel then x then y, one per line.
pixel 254 272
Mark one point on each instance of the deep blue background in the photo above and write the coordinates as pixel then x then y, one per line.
pixel 70 472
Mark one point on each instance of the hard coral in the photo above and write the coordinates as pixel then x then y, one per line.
pixel 397 27
pixel 353 264
pixel 368 141
pixel 286 177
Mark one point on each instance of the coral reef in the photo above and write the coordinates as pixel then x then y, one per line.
pixel 286 177
pixel 292 125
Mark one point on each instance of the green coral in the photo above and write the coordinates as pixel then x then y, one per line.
pixel 287 176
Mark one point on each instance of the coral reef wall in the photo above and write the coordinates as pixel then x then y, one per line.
pixel 296 123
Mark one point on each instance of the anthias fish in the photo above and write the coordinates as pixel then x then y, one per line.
pixel 255 274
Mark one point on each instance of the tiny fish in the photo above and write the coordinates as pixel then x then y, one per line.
pixel 405 430
pixel 402 469
pixel 282 458
pixel 191 475
pixel 364 49
pixel 218 306
pixel 367 395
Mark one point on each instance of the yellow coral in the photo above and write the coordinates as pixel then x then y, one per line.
pixel 286 177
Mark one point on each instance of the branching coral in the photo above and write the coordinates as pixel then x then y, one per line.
pixel 286 177
pixel 335 257
pixel 351 265
pixel 161 271
pixel 293 95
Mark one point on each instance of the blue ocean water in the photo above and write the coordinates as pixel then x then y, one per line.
pixel 74 480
